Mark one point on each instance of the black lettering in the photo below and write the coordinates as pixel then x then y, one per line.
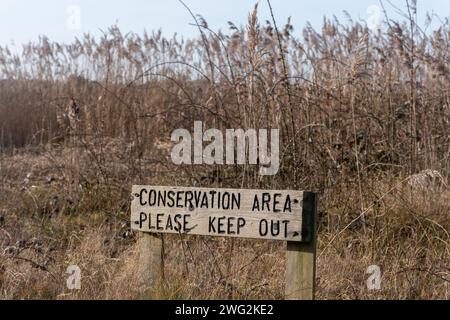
pixel 211 225
pixel 142 218
pixel 240 224
pixel 287 204
pixel 171 201
pixel 150 226
pixel 285 222
pixel 220 225
pixel 255 203
pixel 275 227
pixel 161 198
pixel 230 225
pixel 212 193
pixel 265 201
pixel 188 198
pixel 169 223
pixel 152 198
pixel 179 193
pixel 185 222
pixel 226 201
pixel 205 201
pixel 276 202
pixel 236 201
pixel 197 195
pixel 159 221
pixel 177 227
pixel 141 197
pixel 263 227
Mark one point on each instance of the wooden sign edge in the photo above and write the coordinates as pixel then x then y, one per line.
pixel 309 212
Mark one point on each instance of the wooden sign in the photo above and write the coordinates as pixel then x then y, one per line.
pixel 259 214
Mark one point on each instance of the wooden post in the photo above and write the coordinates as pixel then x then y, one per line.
pixel 150 268
pixel 301 256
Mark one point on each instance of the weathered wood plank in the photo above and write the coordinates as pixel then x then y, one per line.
pixel 150 265
pixel 247 213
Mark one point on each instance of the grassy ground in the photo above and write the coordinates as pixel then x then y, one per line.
pixel 47 224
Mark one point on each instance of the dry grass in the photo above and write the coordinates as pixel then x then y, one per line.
pixel 364 121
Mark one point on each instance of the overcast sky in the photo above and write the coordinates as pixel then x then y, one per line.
pixel 62 20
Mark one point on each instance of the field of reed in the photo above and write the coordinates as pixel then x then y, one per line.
pixel 364 117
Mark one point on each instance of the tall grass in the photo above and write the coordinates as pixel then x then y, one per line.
pixel 344 97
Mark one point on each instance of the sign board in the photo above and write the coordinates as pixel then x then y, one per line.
pixel 260 214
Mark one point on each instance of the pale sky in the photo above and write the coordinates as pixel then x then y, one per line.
pixel 62 20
